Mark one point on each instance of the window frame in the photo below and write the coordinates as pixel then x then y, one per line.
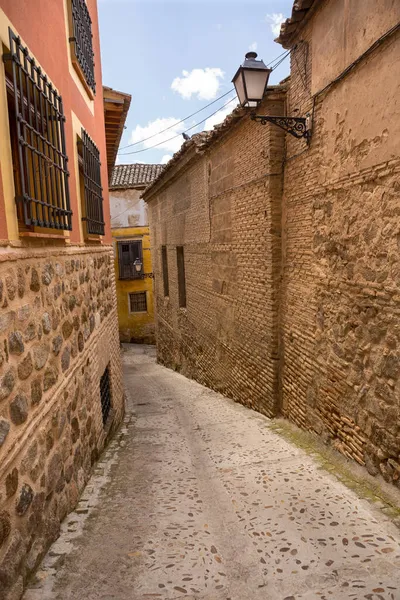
pixel 142 293
pixel 92 207
pixel 81 44
pixel 106 388
pixel 180 264
pixel 164 268
pixel 133 274
pixel 38 143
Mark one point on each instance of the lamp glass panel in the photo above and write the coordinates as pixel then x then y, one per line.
pixel 238 83
pixel 255 83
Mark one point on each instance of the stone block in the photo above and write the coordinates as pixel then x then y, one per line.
pixel 19 409
pixel 25 367
pixel 24 500
pixel 16 343
pixel 12 482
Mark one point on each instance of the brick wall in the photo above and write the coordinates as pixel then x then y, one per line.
pixel 293 291
pixel 58 333
pixel 224 208
pixel 340 292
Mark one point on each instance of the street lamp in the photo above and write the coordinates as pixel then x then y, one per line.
pixel 250 81
pixel 138 265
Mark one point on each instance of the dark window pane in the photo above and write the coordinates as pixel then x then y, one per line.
pixel 164 259
pixel 180 258
pixel 128 252
pixel 93 208
pixel 105 394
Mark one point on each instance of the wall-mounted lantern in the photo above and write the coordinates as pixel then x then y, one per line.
pixel 250 81
pixel 138 265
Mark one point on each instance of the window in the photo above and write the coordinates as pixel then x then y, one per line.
pixel 105 394
pixel 180 259
pixel 164 260
pixel 82 41
pixel 91 169
pixel 36 120
pixel 137 302
pixel 128 253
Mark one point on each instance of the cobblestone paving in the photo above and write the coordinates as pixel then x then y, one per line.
pixel 199 499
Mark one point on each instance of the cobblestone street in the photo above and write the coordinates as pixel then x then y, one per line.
pixel 198 498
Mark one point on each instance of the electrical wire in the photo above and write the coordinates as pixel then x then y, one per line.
pixel 275 63
pixel 181 121
pixel 179 134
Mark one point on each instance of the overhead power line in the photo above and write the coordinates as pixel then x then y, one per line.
pixel 179 134
pixel 178 122
pixel 274 64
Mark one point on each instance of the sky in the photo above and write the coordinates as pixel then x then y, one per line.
pixel 176 56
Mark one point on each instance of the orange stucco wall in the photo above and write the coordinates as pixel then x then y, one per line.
pixel 41 25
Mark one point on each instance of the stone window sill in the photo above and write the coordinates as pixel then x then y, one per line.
pixel 39 234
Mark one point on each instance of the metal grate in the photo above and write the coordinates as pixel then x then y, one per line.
pixel 83 40
pixel 105 394
pixel 138 302
pixel 92 183
pixel 41 173
pixel 128 252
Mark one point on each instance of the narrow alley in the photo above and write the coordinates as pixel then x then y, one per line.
pixel 199 498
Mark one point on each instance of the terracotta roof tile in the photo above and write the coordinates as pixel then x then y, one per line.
pixel 300 11
pixel 138 174
pixel 201 141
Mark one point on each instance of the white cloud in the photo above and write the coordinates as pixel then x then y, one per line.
pixel 201 82
pixel 275 20
pixel 253 46
pixel 165 159
pixel 220 115
pixel 163 139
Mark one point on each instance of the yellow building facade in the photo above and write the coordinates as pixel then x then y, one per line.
pixel 132 254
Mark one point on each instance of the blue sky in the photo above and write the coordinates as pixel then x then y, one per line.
pixel 174 57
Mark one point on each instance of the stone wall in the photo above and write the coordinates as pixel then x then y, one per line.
pixel 224 208
pixel 340 292
pixel 58 333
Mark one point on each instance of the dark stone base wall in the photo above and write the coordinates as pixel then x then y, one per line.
pixel 58 333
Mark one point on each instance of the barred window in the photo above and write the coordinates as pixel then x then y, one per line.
pixel 180 261
pixel 164 260
pixel 128 253
pixel 82 40
pixel 137 302
pixel 91 169
pixel 36 119
pixel 105 394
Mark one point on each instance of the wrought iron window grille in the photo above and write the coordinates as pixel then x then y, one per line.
pixel 137 302
pixel 82 40
pixel 40 158
pixel 91 166
pixel 105 394
pixel 128 253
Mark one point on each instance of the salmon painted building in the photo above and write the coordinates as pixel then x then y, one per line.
pixel 61 389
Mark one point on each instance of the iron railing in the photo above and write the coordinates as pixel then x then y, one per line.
pixel 42 192
pixel 83 40
pixel 105 394
pixel 94 216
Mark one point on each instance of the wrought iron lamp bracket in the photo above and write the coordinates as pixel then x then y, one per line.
pixel 299 127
